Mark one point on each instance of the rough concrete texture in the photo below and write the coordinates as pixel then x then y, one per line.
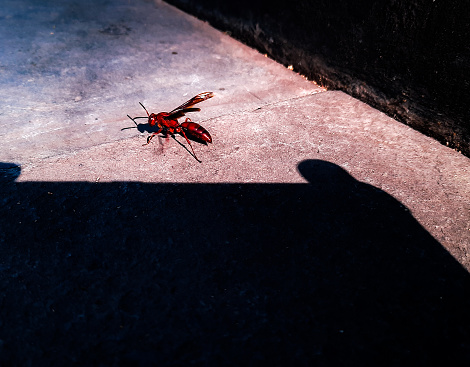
pixel 316 230
pixel 72 72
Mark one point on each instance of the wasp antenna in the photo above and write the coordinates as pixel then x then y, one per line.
pixel 132 120
pixel 145 109
pixel 138 117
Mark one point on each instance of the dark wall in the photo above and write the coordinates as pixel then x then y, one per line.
pixel 408 58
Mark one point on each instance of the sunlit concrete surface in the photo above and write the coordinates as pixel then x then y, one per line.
pixel 70 74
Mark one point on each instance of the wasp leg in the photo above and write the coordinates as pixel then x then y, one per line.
pixel 194 154
pixel 150 137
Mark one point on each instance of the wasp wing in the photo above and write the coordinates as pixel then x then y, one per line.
pixel 181 113
pixel 187 106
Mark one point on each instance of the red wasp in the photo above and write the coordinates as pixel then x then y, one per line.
pixel 167 122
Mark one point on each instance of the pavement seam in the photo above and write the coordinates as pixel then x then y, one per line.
pixel 267 104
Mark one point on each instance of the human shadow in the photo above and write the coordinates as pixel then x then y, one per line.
pixel 9 172
pixel 330 272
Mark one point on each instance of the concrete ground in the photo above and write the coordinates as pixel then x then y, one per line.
pixel 315 230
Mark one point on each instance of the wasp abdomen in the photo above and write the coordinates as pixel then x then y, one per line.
pixel 197 131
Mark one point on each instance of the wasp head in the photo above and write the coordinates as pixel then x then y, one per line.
pixel 152 119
